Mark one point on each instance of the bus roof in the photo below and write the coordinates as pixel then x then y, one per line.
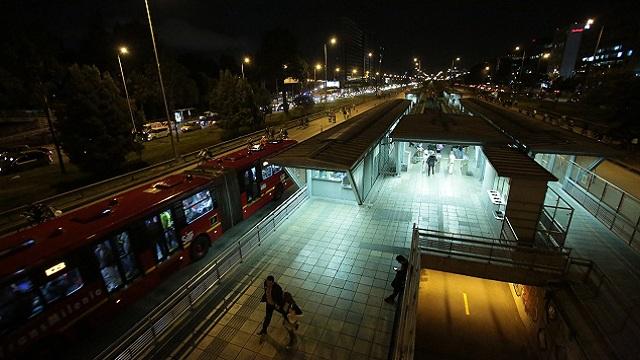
pixel 72 230
pixel 241 159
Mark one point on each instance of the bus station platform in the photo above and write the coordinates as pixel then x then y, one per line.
pixel 336 259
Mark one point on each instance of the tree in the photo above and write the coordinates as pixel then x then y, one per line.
pixel 93 120
pixel 233 99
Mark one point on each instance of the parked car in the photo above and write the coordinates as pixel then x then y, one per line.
pixel 18 161
pixel 190 126
pixel 156 133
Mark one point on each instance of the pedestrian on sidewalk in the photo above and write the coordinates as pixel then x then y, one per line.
pixel 273 297
pixel 400 278
pixel 291 312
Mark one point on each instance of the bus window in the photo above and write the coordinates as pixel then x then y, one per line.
pixel 162 229
pixel 62 285
pixel 18 302
pixel 267 171
pixel 197 205
pixel 107 264
pixel 250 184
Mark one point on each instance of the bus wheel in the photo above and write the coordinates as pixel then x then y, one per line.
pixel 199 247
pixel 278 192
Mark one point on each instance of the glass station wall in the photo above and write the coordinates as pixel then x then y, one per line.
pixel 330 185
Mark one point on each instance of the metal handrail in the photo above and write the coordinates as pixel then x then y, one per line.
pixel 146 335
pixel 494 251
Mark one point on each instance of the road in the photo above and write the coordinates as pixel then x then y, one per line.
pixel 462 317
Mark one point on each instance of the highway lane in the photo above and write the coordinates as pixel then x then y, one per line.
pixel 463 317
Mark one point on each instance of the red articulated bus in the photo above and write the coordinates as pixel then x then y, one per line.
pixel 78 269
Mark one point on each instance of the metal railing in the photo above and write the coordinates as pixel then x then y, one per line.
pixel 615 208
pixel 404 330
pixel 147 334
pixel 494 251
pixel 609 307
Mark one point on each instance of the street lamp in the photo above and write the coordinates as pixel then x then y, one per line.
pixel 332 41
pixel 453 61
pixel 124 51
pixel 524 52
pixel 245 60
pixel 164 96
pixel 316 68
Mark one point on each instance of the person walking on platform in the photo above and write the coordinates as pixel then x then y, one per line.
pixel 400 278
pixel 291 311
pixel 273 297
pixel 431 163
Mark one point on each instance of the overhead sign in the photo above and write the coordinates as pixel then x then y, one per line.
pixel 333 84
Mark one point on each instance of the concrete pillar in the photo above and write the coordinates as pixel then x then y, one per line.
pixel 524 205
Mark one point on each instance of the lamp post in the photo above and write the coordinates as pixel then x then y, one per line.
pixel 315 69
pixel 123 50
pixel 332 41
pixel 336 73
pixel 164 96
pixel 524 52
pixel 453 63
pixel 370 55
pixel 245 60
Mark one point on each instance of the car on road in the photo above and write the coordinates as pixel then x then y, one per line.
pixel 17 161
pixel 157 133
pixel 190 126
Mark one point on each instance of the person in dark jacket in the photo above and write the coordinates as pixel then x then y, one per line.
pixel 273 297
pixel 399 279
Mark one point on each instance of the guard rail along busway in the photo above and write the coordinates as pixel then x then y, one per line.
pixel 12 220
pixel 404 330
pixel 147 335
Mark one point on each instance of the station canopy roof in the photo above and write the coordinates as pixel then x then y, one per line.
pixel 537 135
pixel 514 164
pixel 342 146
pixel 438 127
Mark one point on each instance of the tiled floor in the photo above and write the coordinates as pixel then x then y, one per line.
pixel 336 259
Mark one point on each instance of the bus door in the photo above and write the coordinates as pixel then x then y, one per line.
pixel 228 192
pixel 249 182
pixel 158 232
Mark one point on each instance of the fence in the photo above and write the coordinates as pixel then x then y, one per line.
pixel 612 206
pixel 503 251
pixel 148 333
pixel 404 330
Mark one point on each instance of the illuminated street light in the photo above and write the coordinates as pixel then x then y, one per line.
pixel 170 121
pixel 453 61
pixel 487 68
pixel 124 51
pixel 245 60
pixel 546 55
pixel 332 41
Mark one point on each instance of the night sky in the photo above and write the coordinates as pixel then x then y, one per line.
pixel 434 31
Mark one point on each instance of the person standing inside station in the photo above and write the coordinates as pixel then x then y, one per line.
pixel 431 163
